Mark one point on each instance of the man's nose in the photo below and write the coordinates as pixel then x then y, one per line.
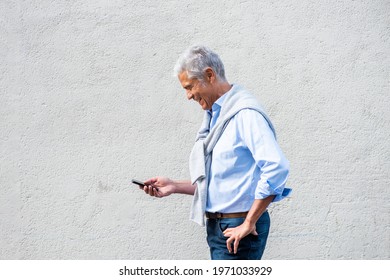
pixel 189 95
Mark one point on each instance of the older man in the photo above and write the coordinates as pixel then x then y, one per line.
pixel 237 168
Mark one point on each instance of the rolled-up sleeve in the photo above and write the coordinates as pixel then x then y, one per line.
pixel 273 165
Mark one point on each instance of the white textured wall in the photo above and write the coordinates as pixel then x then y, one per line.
pixel 88 102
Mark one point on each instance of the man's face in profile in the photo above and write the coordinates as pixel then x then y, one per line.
pixel 200 91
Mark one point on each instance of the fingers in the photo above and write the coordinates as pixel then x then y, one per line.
pixel 229 244
pixel 156 193
pixel 156 186
pixel 236 242
pixel 151 181
pixel 152 191
pixel 233 239
pixel 149 190
pixel 227 232
pixel 146 189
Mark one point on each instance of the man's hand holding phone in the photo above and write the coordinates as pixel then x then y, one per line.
pixel 157 186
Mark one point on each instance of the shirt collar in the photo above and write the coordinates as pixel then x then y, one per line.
pixel 218 103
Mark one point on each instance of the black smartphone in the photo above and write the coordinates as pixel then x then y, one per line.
pixel 139 183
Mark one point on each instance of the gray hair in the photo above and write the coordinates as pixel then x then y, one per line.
pixel 196 59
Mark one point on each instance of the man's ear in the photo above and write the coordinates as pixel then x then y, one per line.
pixel 210 75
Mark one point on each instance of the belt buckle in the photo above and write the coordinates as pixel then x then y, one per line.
pixel 219 215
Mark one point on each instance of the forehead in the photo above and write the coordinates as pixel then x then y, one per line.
pixel 184 80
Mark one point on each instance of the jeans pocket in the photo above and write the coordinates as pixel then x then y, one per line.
pixel 262 229
pixel 224 224
pixel 263 224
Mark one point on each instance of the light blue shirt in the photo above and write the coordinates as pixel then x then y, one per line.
pixel 247 163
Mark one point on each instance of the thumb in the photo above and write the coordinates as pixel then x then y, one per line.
pixel 150 181
pixel 254 232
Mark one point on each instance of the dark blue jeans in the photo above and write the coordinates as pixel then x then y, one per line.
pixel 251 247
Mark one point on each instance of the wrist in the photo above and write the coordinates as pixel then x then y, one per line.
pixel 183 187
pixel 175 188
pixel 249 223
pixel 178 186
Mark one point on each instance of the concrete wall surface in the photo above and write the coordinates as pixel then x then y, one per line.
pixel 89 101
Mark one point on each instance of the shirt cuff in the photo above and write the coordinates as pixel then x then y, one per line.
pixel 286 192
